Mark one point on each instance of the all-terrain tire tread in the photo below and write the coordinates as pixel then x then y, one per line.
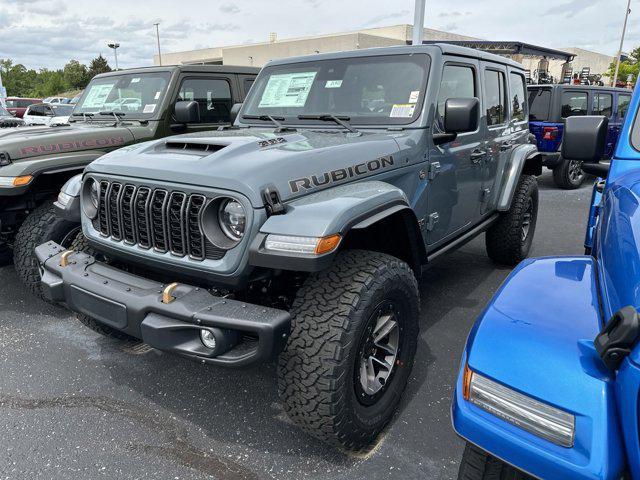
pixel 504 238
pixel 312 371
pixel 476 464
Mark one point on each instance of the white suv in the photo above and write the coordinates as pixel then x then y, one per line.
pixel 44 114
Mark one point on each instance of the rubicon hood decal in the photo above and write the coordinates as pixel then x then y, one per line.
pixel 70 146
pixel 308 183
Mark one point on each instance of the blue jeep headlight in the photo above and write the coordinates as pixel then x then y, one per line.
pixel 540 419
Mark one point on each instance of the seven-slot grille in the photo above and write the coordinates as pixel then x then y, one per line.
pixel 167 221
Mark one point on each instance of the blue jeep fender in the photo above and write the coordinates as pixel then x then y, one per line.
pixel 536 337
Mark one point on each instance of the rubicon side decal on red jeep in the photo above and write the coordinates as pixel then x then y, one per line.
pixel 70 146
pixel 333 176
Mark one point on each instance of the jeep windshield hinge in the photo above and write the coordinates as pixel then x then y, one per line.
pixel 434 170
pixel 618 338
pixel 432 220
pixel 272 202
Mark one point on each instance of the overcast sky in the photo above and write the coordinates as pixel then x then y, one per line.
pixel 47 33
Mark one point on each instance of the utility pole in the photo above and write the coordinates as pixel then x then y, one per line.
pixel 624 30
pixel 418 21
pixel 114 46
pixel 158 38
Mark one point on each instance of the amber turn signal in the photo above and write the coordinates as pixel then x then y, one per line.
pixel 327 244
pixel 466 382
pixel 21 181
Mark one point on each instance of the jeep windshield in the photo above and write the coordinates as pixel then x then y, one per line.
pixel 131 95
pixel 383 90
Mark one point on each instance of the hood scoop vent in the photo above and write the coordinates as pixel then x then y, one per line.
pixel 193 147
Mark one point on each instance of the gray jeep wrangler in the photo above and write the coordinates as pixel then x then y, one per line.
pixel 300 231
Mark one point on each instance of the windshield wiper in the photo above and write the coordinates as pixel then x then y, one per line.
pixel 83 115
pixel 270 118
pixel 327 117
pixel 117 115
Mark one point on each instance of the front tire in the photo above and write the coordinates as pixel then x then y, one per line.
pixel 568 175
pixel 509 240
pixel 351 350
pixel 41 226
pixel 477 464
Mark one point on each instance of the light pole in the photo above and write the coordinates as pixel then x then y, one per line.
pixel 418 22
pixel 157 24
pixel 624 30
pixel 115 47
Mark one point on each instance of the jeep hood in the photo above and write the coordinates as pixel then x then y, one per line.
pixel 249 160
pixel 32 142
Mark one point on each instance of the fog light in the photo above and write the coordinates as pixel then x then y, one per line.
pixel 208 339
pixel 540 419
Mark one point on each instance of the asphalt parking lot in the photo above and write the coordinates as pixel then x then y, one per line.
pixel 76 405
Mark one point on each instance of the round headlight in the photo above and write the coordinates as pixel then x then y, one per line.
pixel 94 193
pixel 91 198
pixel 232 218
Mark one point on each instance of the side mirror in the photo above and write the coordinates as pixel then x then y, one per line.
pixel 235 110
pixel 584 140
pixel 460 116
pixel 187 112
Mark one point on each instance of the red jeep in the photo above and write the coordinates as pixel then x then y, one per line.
pixel 17 106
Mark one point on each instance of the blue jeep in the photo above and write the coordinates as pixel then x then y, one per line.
pixel 550 377
pixel 550 105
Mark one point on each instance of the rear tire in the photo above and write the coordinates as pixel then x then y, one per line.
pixel 508 241
pixel 477 464
pixel 327 378
pixel 42 225
pixel 568 175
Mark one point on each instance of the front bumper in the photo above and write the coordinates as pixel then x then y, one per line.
pixel 133 305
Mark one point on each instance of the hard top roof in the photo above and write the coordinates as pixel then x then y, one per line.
pixel 186 68
pixel 443 48
pixel 566 86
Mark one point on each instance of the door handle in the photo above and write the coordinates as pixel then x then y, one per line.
pixel 506 145
pixel 477 155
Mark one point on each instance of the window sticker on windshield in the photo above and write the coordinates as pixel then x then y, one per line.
pixel 413 97
pixel 157 96
pixel 97 95
pixel 135 80
pixel 402 110
pixel 287 90
pixel 149 108
pixel 333 84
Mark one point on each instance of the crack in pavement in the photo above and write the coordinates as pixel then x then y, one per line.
pixel 179 447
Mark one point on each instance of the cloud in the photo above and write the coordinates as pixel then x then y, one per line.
pixel 387 16
pixel 452 14
pixel 229 8
pixel 571 7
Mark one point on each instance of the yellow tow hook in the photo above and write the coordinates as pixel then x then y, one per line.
pixel 64 258
pixel 167 293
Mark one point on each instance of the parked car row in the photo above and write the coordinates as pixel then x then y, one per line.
pixel 17 106
pixel 295 223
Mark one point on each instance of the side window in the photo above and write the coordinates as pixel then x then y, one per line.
pixel 213 97
pixel 458 81
pixel 574 104
pixel 36 110
pixel 247 85
pixel 48 112
pixel 518 97
pixel 623 105
pixel 495 103
pixel 603 104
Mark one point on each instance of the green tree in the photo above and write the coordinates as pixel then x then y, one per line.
pixel 630 66
pixel 98 65
pixel 75 74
